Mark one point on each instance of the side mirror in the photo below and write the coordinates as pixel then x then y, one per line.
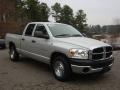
pixel 45 36
pixel 41 35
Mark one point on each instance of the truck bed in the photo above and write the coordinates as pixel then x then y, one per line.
pixel 16 38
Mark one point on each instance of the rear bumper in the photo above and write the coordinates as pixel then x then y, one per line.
pixel 90 66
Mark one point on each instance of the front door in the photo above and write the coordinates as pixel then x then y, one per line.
pixel 41 45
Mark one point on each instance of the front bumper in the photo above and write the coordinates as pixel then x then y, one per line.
pixel 90 66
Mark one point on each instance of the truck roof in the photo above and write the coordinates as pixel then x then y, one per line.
pixel 44 23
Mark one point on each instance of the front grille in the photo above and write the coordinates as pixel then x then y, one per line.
pixel 101 53
pixel 108 49
pixel 97 56
pixel 108 54
pixel 98 50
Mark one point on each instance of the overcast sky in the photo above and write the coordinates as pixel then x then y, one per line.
pixel 103 12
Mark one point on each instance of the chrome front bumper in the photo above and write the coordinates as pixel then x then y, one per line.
pixel 86 69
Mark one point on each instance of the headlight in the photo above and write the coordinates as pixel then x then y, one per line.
pixel 78 53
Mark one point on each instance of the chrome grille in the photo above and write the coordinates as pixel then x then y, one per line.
pixel 98 50
pixel 101 53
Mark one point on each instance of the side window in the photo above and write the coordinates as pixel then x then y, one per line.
pixel 40 30
pixel 29 30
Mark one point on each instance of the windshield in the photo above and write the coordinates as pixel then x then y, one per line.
pixel 63 30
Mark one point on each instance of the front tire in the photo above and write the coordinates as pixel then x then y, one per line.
pixel 14 56
pixel 61 68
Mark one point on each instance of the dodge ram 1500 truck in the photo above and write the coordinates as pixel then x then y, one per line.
pixel 61 46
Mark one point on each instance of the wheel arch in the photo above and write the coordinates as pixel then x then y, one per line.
pixel 11 44
pixel 54 54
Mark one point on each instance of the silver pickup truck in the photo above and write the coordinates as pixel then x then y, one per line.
pixel 61 46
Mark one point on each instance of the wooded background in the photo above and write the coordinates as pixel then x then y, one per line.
pixel 15 14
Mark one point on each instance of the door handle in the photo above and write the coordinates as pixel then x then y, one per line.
pixel 33 41
pixel 23 39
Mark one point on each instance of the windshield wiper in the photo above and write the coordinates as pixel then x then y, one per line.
pixel 76 35
pixel 64 35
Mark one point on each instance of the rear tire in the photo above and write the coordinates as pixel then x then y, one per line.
pixel 61 68
pixel 14 56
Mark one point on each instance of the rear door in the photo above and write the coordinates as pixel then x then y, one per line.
pixel 26 41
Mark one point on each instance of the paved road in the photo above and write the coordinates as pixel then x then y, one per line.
pixel 32 75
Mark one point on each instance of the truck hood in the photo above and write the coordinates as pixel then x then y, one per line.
pixel 83 42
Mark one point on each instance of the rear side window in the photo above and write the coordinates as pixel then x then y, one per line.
pixel 29 30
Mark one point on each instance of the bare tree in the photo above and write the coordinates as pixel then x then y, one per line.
pixel 7 7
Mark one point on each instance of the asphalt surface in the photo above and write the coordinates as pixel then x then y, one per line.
pixel 28 74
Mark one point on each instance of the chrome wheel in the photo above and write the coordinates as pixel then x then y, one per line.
pixel 12 54
pixel 59 69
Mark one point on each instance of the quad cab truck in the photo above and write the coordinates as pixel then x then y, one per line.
pixel 61 46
